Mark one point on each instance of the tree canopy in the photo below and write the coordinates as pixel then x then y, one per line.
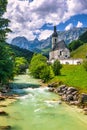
pixel 6 60
pixel 6 64
pixel 39 67
pixel 3 22
pixel 21 65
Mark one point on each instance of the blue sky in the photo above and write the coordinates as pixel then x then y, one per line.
pixel 74 20
pixel 36 18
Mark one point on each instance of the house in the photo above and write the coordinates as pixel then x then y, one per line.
pixel 59 49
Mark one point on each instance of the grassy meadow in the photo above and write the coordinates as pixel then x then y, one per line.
pixel 73 75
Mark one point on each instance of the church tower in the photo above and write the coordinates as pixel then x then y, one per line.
pixel 54 38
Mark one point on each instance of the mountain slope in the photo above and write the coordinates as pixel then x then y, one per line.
pixel 81 52
pixel 20 52
pixel 83 37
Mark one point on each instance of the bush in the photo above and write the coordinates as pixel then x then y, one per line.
pixel 56 67
pixel 39 67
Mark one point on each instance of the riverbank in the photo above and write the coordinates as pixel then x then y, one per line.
pixel 70 95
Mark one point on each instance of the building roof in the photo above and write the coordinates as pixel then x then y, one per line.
pixel 60 45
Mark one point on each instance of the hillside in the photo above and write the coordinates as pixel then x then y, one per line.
pixel 81 52
pixel 20 52
pixel 83 37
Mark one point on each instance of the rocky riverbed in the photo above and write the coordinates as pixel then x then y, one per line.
pixel 70 95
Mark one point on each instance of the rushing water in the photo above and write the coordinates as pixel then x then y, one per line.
pixel 37 109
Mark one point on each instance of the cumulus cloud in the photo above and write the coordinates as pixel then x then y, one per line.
pixel 79 24
pixel 28 16
pixel 45 34
pixel 69 26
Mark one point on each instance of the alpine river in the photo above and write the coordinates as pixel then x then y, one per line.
pixel 37 109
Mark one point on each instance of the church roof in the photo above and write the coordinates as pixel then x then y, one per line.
pixel 60 45
pixel 55 34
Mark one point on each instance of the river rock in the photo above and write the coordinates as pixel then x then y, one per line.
pixel 72 89
pixel 56 84
pixel 83 98
pixel 73 103
pixel 5 127
pixel 69 98
pixel 61 88
pixel 74 93
pixel 3 113
pixel 63 97
pixel 2 98
pixel 85 109
pixel 75 97
pixel 51 89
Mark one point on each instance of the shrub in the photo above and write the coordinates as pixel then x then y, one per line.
pixel 56 67
pixel 39 67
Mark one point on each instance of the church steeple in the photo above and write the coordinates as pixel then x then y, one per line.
pixel 54 28
pixel 54 38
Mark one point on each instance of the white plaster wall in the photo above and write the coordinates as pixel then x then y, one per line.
pixel 71 61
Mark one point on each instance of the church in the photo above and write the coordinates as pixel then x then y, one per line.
pixel 59 49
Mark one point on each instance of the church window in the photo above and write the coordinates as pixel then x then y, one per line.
pixel 55 40
pixel 65 55
pixel 60 52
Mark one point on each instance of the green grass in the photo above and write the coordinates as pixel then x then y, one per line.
pixel 73 75
pixel 81 52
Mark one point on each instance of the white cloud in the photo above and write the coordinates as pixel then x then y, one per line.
pixel 27 17
pixel 69 26
pixel 45 34
pixel 79 24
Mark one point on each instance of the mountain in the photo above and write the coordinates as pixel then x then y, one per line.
pixel 72 34
pixel 44 46
pixel 21 42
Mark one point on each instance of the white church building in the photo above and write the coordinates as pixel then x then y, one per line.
pixel 60 51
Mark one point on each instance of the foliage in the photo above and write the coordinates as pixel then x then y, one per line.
pixel 6 58
pixel 73 75
pixel 85 64
pixel 81 52
pixel 74 45
pixel 39 67
pixel 21 65
pixel 56 67
pixel 6 64
pixel 83 37
pixel 3 22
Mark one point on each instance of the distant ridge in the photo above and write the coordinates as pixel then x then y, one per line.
pixel 44 46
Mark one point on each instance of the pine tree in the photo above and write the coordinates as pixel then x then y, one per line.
pixel 3 22
pixel 6 61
